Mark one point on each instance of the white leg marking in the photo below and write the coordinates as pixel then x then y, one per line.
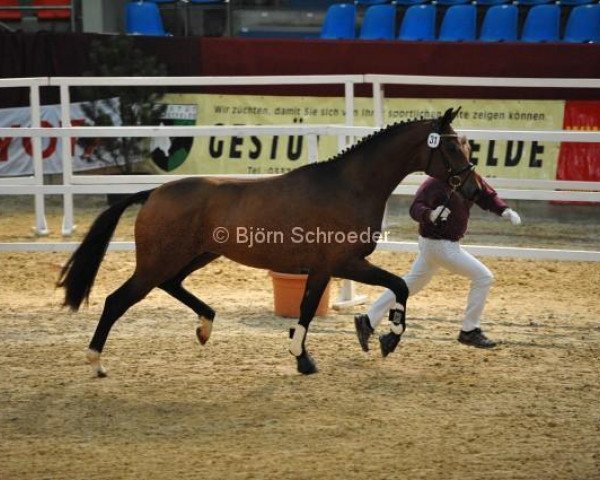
pixel 296 345
pixel 93 358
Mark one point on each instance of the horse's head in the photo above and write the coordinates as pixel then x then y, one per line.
pixel 448 157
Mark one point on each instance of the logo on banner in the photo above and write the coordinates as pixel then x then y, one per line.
pixel 169 153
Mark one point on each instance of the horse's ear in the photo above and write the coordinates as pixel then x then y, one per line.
pixel 455 114
pixel 449 116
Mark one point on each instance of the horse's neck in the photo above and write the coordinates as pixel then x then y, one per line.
pixel 379 170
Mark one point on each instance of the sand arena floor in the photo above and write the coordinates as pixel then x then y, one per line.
pixel 237 409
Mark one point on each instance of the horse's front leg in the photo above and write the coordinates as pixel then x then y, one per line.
pixel 362 271
pixel 315 286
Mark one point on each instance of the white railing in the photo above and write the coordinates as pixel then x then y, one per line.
pixel 65 83
pixel 88 184
pixel 37 179
pixel 379 81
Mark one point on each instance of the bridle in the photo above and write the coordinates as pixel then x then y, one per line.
pixel 454 179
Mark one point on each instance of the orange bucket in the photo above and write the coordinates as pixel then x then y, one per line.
pixel 288 290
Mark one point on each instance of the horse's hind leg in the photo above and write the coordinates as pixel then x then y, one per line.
pixel 316 284
pixel 362 271
pixel 115 305
pixel 206 315
pixel 174 287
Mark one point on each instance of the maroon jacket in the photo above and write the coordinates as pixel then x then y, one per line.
pixel 433 193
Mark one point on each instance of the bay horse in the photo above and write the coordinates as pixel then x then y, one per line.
pixel 186 224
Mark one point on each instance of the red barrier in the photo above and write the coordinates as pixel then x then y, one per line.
pixel 580 161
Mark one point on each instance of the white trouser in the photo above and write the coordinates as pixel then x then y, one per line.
pixel 434 254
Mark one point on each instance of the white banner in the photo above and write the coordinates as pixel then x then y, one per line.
pixel 16 153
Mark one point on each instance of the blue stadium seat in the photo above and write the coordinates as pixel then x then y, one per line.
pixel 418 23
pixel 143 18
pixel 490 2
pixel 459 24
pixel 575 2
pixel 529 3
pixel 452 2
pixel 583 24
pixel 339 22
pixel 310 4
pixel 500 24
pixel 372 2
pixel 379 23
pixel 542 24
pixel 410 2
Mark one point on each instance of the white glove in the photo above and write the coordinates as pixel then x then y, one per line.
pixel 441 212
pixel 511 215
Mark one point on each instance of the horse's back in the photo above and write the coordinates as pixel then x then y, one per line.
pixel 187 217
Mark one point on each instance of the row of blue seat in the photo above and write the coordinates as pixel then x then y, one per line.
pixel 199 2
pixel 324 4
pixel 478 2
pixel 143 17
pixel 500 23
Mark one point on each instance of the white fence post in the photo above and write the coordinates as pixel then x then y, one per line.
pixel 349 108
pixel 378 112
pixel 67 161
pixel 41 227
pixel 349 102
pixel 313 148
pixel 347 296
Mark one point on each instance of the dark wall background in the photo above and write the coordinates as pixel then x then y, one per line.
pixel 65 54
pixel 46 54
pixel 235 56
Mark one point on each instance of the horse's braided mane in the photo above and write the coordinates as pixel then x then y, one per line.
pixel 364 142
pixel 377 135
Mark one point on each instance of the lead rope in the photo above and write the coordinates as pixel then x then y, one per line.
pixel 433 142
pixel 444 207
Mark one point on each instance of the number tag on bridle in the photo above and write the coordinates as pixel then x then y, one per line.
pixel 433 140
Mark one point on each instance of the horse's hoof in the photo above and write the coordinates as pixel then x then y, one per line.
pixel 204 330
pixel 363 331
pixel 306 365
pixel 93 358
pixel 388 343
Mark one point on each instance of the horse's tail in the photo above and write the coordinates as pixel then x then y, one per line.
pixel 78 275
